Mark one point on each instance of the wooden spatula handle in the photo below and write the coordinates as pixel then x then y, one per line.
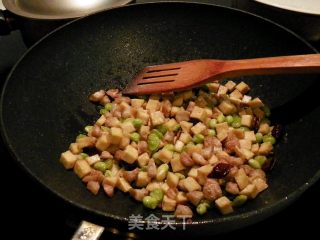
pixel 272 65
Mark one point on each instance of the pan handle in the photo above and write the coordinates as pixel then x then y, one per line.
pixel 8 22
pixel 88 231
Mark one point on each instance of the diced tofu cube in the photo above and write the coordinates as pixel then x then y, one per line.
pixel 236 94
pixel 116 135
pixel 157 118
pixel 255 148
pixel 265 148
pixel 102 120
pixel 153 185
pixel 178 100
pixel 213 159
pixel 68 159
pixel 171 124
pixel 250 191
pixel 168 204
pixel 82 168
pixel 130 154
pixel 244 143
pixel 127 127
pixel 174 111
pixel 181 197
pixel 123 185
pixel 213 87
pixel 193 172
pixel 255 103
pixel 178 146
pixel 191 148
pixel 93 159
pixel 176 164
pixel 239 133
pixel 191 184
pixel 182 115
pixel 243 87
pixel 260 184
pixel 125 141
pixel 199 113
pixel 103 142
pixel 246 99
pixel 143 159
pixel 124 106
pixel 74 148
pixel 224 205
pixel 165 155
pixel 153 105
pixel 185 137
pixel 222 90
pixel 144 132
pixel 241 178
pixel 244 153
pixel 247 120
pixel 230 85
pixel 172 180
pixel 112 181
pixel 187 94
pixel 143 115
pixel 209 112
pixel 227 107
pixel 235 101
pixel 201 102
pixel 164 187
pixel 264 128
pixel 259 113
pixel 205 170
pixel 186 126
pixel 85 142
pixel 249 135
pixel 143 179
pixel 222 130
pixel 137 102
pixel 198 128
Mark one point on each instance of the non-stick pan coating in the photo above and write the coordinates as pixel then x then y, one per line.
pixel 45 99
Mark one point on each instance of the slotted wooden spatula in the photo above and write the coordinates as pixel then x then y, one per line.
pixel 183 75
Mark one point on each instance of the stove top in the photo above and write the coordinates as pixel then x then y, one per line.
pixel 41 212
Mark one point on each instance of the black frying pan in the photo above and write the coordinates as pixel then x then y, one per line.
pixel 45 104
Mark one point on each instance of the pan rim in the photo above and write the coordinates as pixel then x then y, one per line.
pixel 280 204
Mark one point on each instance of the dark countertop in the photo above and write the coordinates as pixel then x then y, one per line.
pixel 28 208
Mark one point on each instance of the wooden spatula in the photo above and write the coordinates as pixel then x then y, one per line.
pixel 183 75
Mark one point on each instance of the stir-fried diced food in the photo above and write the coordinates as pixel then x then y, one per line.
pixel 182 152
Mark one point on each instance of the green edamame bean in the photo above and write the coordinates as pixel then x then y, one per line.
pixel 239 200
pixel 229 119
pixel 108 107
pixel 135 137
pixel 254 163
pixel 212 123
pixel 221 118
pixel 269 138
pixel 137 123
pixel 157 194
pixel 100 166
pixel 162 129
pixel 157 132
pixel 236 123
pixel 212 132
pixel 153 142
pixel 260 159
pixel 202 208
pixel 259 137
pixel 150 202
pixel 198 138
